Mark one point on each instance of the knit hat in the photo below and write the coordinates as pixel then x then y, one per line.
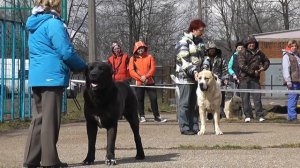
pixel 210 45
pixel 115 45
pixel 240 43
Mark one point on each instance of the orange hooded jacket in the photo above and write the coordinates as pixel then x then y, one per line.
pixel 143 65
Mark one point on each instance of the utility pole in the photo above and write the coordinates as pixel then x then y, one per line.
pixel 200 9
pixel 92 31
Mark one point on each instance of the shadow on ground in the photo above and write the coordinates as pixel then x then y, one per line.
pixel 126 160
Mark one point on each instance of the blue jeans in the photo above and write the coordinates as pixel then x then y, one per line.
pixel 292 102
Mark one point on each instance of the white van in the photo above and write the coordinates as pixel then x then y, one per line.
pixel 12 79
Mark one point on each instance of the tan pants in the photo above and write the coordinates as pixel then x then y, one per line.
pixel 44 129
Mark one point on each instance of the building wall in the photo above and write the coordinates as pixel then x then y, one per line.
pixel 273 49
pixel 272 78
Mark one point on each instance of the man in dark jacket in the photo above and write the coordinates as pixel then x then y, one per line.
pixel 252 62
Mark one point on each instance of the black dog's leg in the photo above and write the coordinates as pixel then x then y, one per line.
pixel 111 141
pixel 134 124
pixel 92 129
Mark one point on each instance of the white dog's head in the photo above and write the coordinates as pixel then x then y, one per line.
pixel 206 79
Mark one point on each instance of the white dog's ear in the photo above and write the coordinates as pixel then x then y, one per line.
pixel 215 76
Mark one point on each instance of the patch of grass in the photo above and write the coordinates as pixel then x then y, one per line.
pixel 74 114
pixel 295 145
pixel 163 107
pixel 217 147
pixel 12 125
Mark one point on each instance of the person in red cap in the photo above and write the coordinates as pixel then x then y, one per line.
pixel 119 62
pixel 141 69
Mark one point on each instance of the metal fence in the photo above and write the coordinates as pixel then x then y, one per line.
pixel 15 95
pixel 14 101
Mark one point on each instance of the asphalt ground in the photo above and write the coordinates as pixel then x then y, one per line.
pixel 260 145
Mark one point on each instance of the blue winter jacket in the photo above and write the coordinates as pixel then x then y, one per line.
pixel 51 53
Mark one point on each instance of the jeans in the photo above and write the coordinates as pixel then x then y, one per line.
pixel 292 102
pixel 188 116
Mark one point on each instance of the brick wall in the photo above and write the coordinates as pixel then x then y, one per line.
pixel 273 49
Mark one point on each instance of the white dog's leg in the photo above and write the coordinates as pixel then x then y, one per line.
pixel 202 114
pixel 216 121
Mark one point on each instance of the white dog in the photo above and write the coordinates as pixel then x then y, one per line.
pixel 233 107
pixel 209 99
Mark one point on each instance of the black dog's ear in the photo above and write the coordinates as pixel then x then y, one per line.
pixel 86 74
pixel 111 69
pixel 86 71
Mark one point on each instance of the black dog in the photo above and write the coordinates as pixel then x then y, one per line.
pixel 104 103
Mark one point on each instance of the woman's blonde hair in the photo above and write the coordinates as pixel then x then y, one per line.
pixel 291 42
pixel 49 4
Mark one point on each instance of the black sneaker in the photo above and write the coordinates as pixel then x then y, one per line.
pixel 31 165
pixel 188 132
pixel 159 119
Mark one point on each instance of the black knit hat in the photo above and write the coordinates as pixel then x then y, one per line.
pixel 240 43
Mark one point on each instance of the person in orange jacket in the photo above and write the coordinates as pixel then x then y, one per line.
pixel 141 69
pixel 119 62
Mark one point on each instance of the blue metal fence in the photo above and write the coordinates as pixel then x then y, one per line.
pixel 15 94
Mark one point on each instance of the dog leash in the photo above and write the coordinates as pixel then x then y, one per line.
pixel 235 86
pixel 76 102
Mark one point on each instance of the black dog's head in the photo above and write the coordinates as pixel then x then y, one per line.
pixel 98 75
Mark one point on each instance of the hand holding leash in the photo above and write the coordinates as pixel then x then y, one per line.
pixel 289 86
pixel 236 79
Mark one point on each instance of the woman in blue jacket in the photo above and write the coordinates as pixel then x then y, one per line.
pixel 51 56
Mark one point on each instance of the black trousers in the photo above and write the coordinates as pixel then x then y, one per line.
pixel 44 129
pixel 140 93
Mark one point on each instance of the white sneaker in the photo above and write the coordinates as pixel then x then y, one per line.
pixel 142 119
pixel 261 119
pixel 159 119
pixel 247 119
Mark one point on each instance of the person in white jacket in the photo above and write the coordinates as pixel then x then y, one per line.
pixel 291 75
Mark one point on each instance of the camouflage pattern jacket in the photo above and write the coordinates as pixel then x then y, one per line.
pixel 189 58
pixel 218 65
pixel 249 62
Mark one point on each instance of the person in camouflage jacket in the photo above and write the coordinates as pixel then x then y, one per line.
pixel 188 61
pixel 189 58
pixel 218 65
pixel 252 61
